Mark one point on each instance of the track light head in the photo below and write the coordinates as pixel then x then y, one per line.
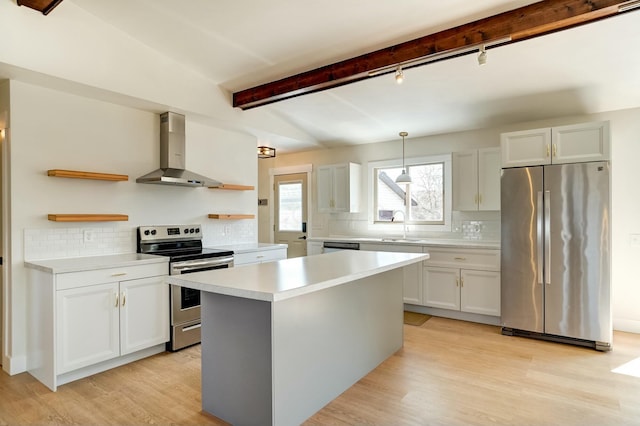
pixel 482 57
pixel 399 75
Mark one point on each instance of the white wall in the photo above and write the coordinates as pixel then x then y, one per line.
pixel 625 134
pixel 54 130
pixel 4 307
pixel 74 51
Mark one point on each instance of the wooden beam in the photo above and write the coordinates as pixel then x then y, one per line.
pixel 44 6
pixel 519 24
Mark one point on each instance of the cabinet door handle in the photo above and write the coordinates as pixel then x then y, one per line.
pixel 459 258
pixel 118 274
pixel 548 148
pixel 260 256
pixel 124 298
pixel 555 150
pixel 461 282
pixel 117 301
pixel 457 282
pixel 480 199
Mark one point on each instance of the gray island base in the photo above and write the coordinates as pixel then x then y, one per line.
pixel 280 340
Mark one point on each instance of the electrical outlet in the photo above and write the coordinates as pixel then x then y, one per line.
pixel 227 230
pixel 89 235
pixel 635 239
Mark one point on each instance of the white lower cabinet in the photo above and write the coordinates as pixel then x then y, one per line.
pixel 89 321
pixel 480 292
pixel 412 274
pixel 259 256
pixel 100 322
pixel 87 326
pixel 475 291
pixel 441 288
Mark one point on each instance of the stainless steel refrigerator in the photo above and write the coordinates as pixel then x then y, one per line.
pixel 555 253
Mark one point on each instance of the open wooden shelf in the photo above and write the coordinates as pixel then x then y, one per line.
pixel 86 175
pixel 88 217
pixel 233 187
pixel 231 216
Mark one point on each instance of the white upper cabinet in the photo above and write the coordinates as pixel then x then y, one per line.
pixel 476 180
pixel 563 144
pixel 581 142
pixel 339 188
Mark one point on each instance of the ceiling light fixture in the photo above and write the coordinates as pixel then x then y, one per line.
pixel 399 75
pixel 629 6
pixel 439 56
pixel 404 178
pixel 482 57
pixel 266 152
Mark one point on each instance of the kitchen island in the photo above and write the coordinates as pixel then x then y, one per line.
pixel 282 339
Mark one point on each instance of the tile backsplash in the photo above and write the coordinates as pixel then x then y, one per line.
pixel 58 243
pixel 77 242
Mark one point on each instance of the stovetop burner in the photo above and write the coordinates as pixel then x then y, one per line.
pixel 179 242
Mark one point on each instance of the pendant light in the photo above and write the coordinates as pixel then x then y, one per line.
pixel 404 178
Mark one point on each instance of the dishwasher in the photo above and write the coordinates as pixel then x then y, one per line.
pixel 330 246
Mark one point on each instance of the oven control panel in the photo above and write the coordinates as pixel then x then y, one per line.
pixel 151 233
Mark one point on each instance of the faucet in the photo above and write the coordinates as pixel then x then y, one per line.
pixel 404 222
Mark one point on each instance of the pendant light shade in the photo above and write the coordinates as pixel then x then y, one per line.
pixel 404 178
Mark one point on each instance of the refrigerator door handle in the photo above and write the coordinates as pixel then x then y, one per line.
pixel 547 237
pixel 539 231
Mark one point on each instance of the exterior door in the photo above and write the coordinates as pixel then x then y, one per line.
pixel 291 213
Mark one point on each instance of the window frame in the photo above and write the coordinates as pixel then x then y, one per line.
pixel 373 166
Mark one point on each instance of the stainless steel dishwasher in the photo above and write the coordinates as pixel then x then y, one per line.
pixel 329 246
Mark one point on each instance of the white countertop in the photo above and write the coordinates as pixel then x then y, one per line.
pixel 440 242
pixel 78 264
pixel 249 247
pixel 274 281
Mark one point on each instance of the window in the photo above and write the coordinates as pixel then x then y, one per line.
pixel 290 207
pixel 426 201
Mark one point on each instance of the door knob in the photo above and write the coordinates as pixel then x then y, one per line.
pixel 304 237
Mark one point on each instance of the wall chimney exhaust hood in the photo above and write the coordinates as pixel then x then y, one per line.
pixel 172 157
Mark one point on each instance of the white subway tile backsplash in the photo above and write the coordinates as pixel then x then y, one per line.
pixel 69 242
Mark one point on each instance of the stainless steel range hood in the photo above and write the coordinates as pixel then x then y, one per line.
pixel 172 157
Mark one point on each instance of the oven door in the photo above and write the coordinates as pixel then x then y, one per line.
pixel 185 302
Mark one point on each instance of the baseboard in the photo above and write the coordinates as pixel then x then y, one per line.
pixel 629 326
pixel 446 313
pixel 14 365
pixel 107 365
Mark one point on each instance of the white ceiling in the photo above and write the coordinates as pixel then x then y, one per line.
pixel 239 44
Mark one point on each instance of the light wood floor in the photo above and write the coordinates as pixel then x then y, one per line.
pixel 448 373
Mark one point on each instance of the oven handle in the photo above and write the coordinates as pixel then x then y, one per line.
pixel 190 265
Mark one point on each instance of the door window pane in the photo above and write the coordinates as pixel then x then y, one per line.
pixel 290 208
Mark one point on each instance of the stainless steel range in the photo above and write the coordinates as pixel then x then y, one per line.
pixel 183 245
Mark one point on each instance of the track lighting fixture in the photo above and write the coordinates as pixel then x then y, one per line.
pixel 482 57
pixel 399 75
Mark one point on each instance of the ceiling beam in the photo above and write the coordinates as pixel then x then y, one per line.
pixel 519 24
pixel 44 6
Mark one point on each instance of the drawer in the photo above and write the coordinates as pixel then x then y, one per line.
pixel 482 259
pixel 259 256
pixel 405 248
pixel 109 275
